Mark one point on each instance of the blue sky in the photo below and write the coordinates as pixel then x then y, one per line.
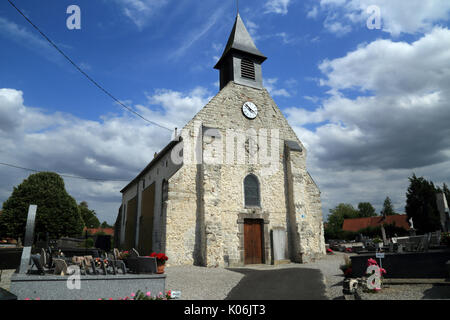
pixel 371 106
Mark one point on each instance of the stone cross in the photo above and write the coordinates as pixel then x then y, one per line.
pixel 383 233
pixel 442 205
pixel 29 238
pixel 411 223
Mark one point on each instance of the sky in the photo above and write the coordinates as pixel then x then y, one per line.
pixel 364 83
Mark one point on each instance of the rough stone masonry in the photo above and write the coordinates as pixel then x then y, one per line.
pixel 196 208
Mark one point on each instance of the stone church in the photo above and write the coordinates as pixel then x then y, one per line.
pixel 232 187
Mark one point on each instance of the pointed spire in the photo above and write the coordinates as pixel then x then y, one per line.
pixel 241 40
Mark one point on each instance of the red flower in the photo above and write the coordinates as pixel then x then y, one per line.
pixel 371 262
pixel 159 256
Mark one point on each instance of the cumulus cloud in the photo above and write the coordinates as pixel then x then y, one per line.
pixel 117 147
pixel 413 16
pixel 387 115
pixel 270 85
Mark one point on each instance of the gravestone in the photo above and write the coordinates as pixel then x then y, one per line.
pixel 443 209
pixel 383 233
pixel 29 238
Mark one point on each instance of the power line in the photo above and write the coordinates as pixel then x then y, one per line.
pixel 83 72
pixel 62 175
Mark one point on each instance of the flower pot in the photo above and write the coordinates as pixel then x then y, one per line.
pixel 160 268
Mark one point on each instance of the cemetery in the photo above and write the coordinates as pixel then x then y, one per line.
pixel 60 270
pixel 411 259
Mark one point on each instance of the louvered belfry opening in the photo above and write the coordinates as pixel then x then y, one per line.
pixel 247 69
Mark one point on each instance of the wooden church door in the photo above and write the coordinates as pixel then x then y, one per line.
pixel 253 242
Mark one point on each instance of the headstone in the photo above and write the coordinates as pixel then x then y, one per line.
pixel 134 253
pixel 116 254
pixel 383 233
pixel 411 223
pixel 43 258
pixel 29 238
pixel 36 259
pixel 443 209
pixel 60 267
pixel 94 269
pixel 424 243
pixel 103 266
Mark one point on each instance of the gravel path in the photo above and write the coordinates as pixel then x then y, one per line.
pixel 410 292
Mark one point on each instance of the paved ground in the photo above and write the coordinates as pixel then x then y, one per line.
pixel 198 283
pixel 319 280
pixel 289 283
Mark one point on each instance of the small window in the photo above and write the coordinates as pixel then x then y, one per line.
pixel 247 69
pixel 165 190
pixel 251 191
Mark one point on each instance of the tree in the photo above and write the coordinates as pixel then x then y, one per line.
pixel 57 212
pixel 421 205
pixel 388 208
pixel 366 210
pixel 336 219
pixel 89 216
pixel 105 225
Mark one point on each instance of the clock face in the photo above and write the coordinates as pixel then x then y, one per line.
pixel 250 110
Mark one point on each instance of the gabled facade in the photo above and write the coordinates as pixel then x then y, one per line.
pixel 232 188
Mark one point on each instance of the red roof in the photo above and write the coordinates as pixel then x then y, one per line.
pixel 362 223
pixel 107 231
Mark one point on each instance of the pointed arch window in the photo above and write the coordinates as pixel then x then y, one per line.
pixel 251 191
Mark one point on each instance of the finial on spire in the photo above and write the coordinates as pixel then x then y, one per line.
pixel 237 7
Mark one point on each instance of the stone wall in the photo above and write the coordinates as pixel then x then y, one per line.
pixel 205 209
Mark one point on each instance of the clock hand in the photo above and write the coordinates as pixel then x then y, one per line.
pixel 248 108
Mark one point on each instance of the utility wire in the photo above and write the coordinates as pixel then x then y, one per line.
pixel 84 73
pixel 62 175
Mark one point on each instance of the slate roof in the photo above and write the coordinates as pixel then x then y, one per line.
pixel 362 223
pixel 240 40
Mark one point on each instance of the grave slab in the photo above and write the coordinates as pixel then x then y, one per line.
pixel 92 287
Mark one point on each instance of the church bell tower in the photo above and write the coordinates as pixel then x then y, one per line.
pixel 241 60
